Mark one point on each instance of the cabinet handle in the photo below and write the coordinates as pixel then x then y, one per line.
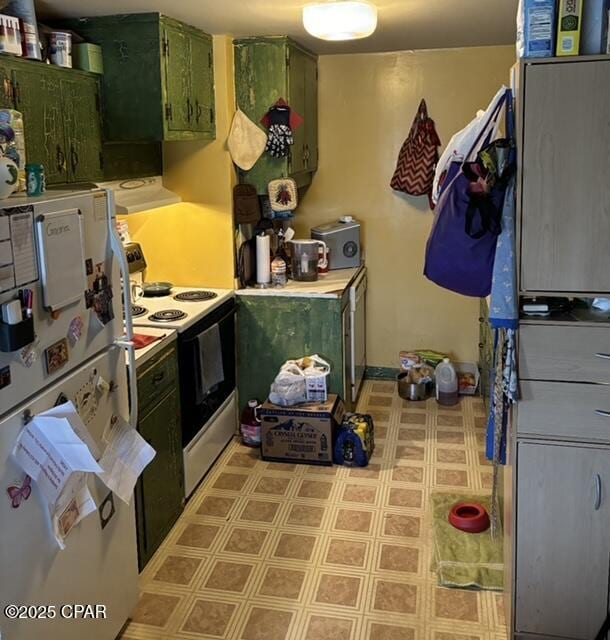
pixel 598 492
pixel 73 158
pixel 189 110
pixel 158 377
pixel 199 111
pixel 603 356
pixel 602 413
pixel 61 159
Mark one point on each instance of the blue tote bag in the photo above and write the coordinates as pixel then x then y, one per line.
pixel 462 244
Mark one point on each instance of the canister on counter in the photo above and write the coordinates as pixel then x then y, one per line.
pixel 60 48
pixel 35 179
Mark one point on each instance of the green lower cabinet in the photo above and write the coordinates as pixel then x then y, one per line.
pixel 273 329
pixel 269 68
pixel 160 489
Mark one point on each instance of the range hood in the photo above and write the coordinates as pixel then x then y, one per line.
pixel 140 194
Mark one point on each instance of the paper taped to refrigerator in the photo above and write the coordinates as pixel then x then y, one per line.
pixel 18 265
pixel 49 451
pixel 74 504
pixel 124 459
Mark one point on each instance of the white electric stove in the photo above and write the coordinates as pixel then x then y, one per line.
pixel 204 321
pixel 184 307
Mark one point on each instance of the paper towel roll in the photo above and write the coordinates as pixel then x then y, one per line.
pixel 263 259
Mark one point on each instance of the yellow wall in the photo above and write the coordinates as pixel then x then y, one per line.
pixel 366 105
pixel 191 244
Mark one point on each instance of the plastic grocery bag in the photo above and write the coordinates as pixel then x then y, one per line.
pixel 299 381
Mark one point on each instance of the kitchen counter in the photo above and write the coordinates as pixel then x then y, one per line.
pixel 167 337
pixel 331 285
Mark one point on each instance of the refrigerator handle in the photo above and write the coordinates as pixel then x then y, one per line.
pixel 126 341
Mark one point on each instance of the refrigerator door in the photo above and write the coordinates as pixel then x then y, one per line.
pixel 98 565
pixel 88 321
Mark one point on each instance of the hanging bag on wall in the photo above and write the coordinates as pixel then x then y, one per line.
pixel 418 156
pixel 462 244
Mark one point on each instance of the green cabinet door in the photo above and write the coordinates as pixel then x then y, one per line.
pixel 268 68
pixel 311 114
pixel 160 492
pixel 177 59
pixel 38 97
pixel 297 61
pixel 82 127
pixel 202 84
pixel 6 86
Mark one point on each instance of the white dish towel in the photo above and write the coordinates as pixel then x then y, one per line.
pixel 211 372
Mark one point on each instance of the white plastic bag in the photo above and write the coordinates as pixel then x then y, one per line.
pixel 299 381
pixel 463 140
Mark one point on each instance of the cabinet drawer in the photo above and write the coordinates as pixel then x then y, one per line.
pixel 564 410
pixel 159 375
pixel 571 354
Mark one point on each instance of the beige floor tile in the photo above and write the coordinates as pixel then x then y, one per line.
pixel 216 506
pixel 200 536
pixel 229 576
pixel 209 617
pixel 321 627
pixel 293 546
pixel 281 551
pixel 314 489
pixel 346 553
pixel 393 596
pixel 272 486
pixel 260 510
pixel 247 541
pixel 305 515
pixel 178 570
pixel 267 624
pixel 154 609
pixel 338 590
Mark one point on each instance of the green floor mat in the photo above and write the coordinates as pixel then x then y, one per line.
pixel 466 560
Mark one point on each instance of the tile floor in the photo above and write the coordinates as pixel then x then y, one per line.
pixel 268 551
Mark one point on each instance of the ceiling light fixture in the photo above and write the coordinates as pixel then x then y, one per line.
pixel 340 19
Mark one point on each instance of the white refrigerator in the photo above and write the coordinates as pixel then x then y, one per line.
pixel 72 346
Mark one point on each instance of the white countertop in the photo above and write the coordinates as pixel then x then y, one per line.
pixel 167 337
pixel 330 285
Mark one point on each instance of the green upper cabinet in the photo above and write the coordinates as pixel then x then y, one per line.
pixel 61 117
pixel 158 80
pixel 83 128
pixel 269 68
pixel 202 85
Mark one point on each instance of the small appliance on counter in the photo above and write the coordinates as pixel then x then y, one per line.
pixel 305 259
pixel 343 240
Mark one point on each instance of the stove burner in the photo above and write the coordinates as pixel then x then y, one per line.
pixel 168 315
pixel 138 310
pixel 195 296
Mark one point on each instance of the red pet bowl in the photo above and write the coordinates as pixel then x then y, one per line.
pixel 469 517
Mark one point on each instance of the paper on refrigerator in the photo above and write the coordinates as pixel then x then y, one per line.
pixel 74 504
pixel 127 454
pixel 51 452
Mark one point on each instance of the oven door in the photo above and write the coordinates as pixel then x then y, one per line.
pixel 198 408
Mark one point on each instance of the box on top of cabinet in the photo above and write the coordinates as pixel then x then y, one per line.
pixel 569 23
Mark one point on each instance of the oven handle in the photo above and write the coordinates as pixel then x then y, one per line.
pixel 225 317
pixel 126 341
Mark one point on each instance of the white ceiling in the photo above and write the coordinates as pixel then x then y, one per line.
pixel 403 24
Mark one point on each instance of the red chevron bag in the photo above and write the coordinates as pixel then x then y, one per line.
pixel 418 156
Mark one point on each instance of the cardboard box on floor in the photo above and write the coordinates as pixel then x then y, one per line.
pixel 304 433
